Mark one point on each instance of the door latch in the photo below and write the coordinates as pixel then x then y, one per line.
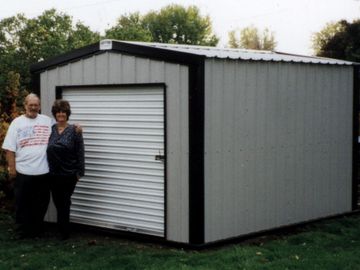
pixel 160 157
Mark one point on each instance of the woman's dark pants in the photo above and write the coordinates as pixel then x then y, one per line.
pixel 62 187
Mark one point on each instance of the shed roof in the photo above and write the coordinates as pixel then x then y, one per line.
pixel 242 54
pixel 188 54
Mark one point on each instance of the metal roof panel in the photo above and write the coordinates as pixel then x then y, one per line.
pixel 243 54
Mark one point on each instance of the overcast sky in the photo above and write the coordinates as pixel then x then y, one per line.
pixel 293 22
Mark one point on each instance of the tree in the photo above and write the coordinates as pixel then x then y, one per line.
pixel 10 108
pixel 12 104
pixel 172 24
pixel 53 33
pixel 25 41
pixel 339 40
pixel 176 24
pixel 251 38
pixel 10 58
pixel 129 27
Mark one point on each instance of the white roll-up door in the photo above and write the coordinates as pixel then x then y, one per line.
pixel 123 129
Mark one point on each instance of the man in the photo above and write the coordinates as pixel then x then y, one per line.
pixel 25 144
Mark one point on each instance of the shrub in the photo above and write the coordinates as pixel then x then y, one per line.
pixel 10 108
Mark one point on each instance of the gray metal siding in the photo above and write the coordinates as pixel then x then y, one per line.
pixel 112 68
pixel 278 140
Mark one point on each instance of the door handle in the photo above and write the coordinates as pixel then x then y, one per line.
pixel 160 157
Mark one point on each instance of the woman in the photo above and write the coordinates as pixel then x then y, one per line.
pixel 65 155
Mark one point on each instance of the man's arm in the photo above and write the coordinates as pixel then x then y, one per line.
pixel 10 158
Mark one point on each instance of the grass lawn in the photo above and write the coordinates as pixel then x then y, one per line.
pixel 331 244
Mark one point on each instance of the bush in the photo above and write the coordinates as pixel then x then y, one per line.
pixel 10 108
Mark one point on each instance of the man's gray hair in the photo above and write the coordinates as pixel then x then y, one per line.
pixel 31 95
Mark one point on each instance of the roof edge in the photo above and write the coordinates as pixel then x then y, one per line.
pixel 166 52
pixel 344 62
pixel 119 47
pixel 66 57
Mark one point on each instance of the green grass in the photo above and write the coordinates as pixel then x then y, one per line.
pixel 332 244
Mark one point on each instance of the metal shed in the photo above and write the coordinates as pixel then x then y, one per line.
pixel 197 145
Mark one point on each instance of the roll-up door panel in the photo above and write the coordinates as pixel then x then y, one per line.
pixel 123 129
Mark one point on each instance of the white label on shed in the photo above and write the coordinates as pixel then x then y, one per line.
pixel 106 44
pixel 123 186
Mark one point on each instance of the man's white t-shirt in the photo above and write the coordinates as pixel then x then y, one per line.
pixel 28 138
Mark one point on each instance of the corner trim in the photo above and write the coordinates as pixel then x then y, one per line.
pixel 35 84
pixel 196 155
pixel 355 143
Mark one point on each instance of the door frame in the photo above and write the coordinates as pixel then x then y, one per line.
pixel 59 94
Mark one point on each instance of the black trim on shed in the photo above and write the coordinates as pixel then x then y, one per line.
pixel 65 58
pixel 119 47
pixel 355 153
pixel 196 162
pixel 35 83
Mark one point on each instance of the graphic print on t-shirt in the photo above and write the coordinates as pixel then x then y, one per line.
pixel 33 135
